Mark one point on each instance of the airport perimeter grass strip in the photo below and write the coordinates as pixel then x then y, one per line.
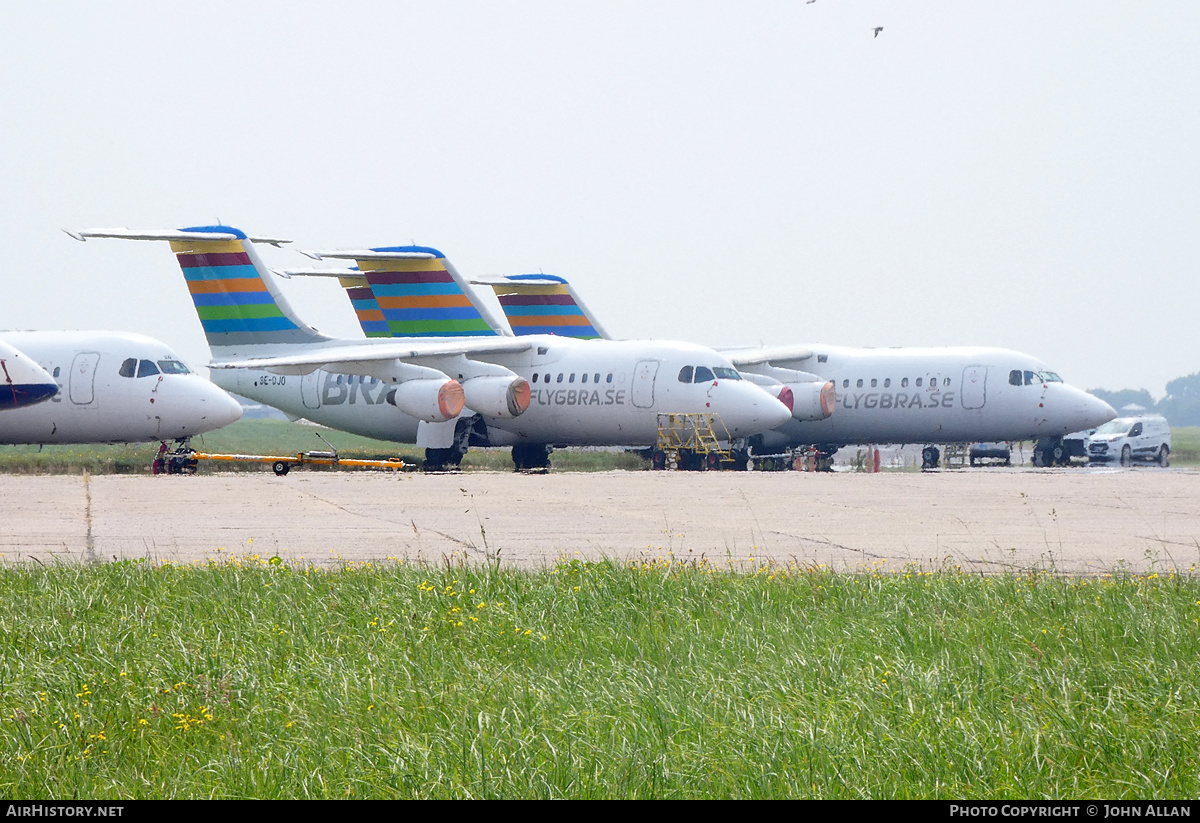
pixel 285 439
pixel 251 676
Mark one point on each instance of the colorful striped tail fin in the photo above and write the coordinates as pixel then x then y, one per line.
pixel 411 291
pixel 234 294
pixel 543 304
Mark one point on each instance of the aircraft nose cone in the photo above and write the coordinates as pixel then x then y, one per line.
pixel 1096 411
pixel 750 409
pixel 216 408
pixel 1069 409
pixel 767 413
pixel 226 409
pixel 777 414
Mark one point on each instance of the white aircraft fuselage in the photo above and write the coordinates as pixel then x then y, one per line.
pixel 940 395
pixel 582 392
pixel 113 387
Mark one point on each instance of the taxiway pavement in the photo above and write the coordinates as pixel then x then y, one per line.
pixel 1079 521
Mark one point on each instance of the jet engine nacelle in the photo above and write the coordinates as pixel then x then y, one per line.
pixel 498 396
pixel 811 397
pixel 428 399
pixel 812 401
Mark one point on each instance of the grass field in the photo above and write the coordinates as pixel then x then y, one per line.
pixel 1185 445
pixel 255 678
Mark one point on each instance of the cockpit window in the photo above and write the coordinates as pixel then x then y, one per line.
pixel 146 368
pixel 1014 377
pixel 1032 377
pixel 1051 377
pixel 685 374
pixel 726 373
pixel 129 367
pixel 172 367
pixel 704 374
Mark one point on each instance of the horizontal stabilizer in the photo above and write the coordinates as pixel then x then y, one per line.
pixel 369 254
pixel 330 272
pixel 171 234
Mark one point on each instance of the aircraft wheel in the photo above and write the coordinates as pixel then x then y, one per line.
pixel 658 460
pixel 1059 456
pixel 741 460
pixel 518 457
pixel 280 468
pixel 714 462
pixel 930 457
pixel 1164 456
pixel 438 460
pixel 527 456
pixel 1126 455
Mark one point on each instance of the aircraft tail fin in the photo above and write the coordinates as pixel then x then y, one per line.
pixel 366 307
pixel 234 294
pixel 543 304
pixel 412 291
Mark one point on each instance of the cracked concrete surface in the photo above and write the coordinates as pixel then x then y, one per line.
pixel 1079 521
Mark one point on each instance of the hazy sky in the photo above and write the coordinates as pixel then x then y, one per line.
pixel 1019 174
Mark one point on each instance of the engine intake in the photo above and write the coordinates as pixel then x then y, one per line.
pixel 813 401
pixel 498 396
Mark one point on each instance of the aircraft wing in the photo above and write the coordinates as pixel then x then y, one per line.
pixel 786 356
pixel 364 353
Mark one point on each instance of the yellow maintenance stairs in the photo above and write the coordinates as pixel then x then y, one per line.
pixel 690 441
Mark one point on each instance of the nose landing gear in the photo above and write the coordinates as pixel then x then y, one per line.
pixel 1051 451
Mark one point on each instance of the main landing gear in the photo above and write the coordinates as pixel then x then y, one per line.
pixel 528 457
pixel 448 460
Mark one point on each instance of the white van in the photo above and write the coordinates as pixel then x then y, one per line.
pixel 1132 438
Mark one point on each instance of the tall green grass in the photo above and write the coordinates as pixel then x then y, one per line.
pixel 1185 445
pixel 252 677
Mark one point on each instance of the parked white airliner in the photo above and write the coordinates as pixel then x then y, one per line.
pixel 22 381
pixel 112 387
pixel 899 395
pixel 450 377
pixel 936 396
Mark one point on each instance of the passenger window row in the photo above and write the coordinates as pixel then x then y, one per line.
pixel 583 378
pixel 934 383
